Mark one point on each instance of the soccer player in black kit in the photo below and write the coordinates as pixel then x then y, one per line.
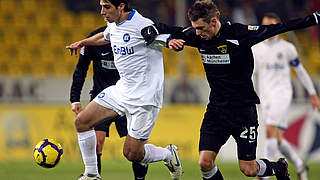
pixel 105 74
pixel 225 50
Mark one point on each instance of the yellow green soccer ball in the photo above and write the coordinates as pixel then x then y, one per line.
pixel 47 153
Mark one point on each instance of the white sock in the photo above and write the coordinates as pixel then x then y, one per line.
pixel 211 173
pixel 154 154
pixel 271 148
pixel 262 167
pixel 286 149
pixel 87 143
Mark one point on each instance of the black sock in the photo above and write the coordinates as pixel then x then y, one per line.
pixel 139 170
pixel 99 162
pixel 271 168
pixel 217 176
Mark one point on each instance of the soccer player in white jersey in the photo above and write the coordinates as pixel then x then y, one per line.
pixel 138 94
pixel 273 58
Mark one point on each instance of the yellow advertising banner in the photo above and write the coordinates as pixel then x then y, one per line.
pixel 22 126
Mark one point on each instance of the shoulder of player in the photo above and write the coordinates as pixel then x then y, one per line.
pixel 139 19
pixel 233 29
pixel 101 29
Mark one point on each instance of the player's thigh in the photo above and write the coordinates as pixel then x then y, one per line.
pixel 245 132
pixel 94 113
pixel 141 121
pixel 214 133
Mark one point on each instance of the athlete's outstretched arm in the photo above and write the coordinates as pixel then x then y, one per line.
pixel 96 40
pixel 307 83
pixel 260 33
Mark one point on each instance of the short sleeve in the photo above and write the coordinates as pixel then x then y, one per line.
pixel 292 52
pixel 144 22
pixel 106 34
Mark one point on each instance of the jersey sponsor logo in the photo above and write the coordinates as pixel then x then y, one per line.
pixel 123 50
pixel 279 56
pixel 82 50
pixel 253 28
pixel 108 64
pixel 215 58
pixel 275 66
pixel 126 37
pixel 223 49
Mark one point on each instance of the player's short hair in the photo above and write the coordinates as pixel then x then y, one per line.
pixel 204 9
pixel 272 15
pixel 116 3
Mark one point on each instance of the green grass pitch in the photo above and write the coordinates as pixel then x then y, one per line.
pixel 121 170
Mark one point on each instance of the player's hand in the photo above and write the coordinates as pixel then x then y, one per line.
pixel 76 107
pixel 315 102
pixel 176 44
pixel 149 34
pixel 73 48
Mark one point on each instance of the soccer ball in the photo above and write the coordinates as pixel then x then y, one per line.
pixel 47 153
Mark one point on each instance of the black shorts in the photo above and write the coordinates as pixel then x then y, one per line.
pixel 120 122
pixel 220 123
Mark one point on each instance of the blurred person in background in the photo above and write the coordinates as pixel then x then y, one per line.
pixel 244 13
pixel 226 53
pixel 273 58
pixel 105 74
pixel 138 94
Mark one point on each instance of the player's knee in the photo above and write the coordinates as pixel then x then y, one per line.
pixel 248 170
pixel 205 165
pixel 79 123
pixel 133 156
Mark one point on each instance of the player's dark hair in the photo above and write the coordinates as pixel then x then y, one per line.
pixel 204 9
pixel 116 3
pixel 274 16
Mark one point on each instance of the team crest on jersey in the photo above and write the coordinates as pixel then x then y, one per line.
pixel 126 37
pixel 223 49
pixel 253 28
pixel 279 56
pixel 102 95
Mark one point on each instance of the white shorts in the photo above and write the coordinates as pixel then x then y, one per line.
pixel 140 119
pixel 275 112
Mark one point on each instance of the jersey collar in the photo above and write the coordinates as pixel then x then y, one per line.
pixel 272 42
pixel 131 14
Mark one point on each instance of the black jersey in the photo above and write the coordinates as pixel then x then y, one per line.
pixel 104 72
pixel 228 59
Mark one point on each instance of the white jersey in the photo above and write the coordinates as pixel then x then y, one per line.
pixel 140 67
pixel 272 66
